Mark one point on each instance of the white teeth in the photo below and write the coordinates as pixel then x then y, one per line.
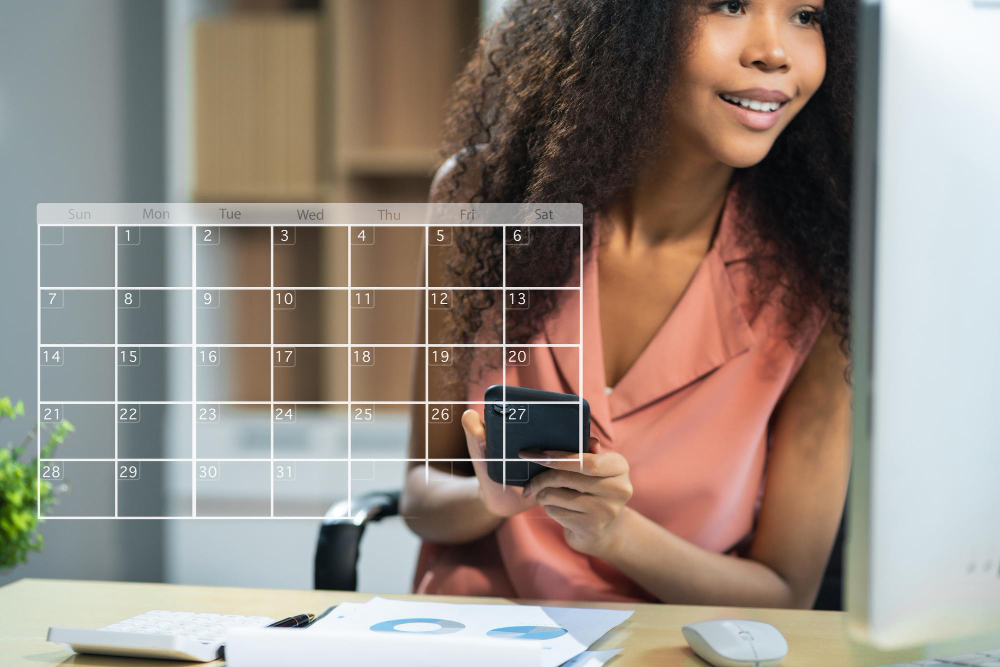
pixel 755 105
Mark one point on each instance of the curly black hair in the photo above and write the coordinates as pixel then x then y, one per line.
pixel 563 100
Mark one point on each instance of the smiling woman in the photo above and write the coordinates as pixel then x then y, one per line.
pixel 718 89
pixel 709 143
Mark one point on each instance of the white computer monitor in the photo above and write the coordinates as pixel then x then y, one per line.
pixel 923 541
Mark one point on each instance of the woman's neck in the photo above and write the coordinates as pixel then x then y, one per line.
pixel 677 199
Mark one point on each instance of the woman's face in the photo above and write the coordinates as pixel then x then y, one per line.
pixel 753 65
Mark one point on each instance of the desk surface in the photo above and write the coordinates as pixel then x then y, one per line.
pixel 652 636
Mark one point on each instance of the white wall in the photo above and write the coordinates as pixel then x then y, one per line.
pixel 69 109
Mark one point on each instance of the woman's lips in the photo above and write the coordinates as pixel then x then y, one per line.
pixel 755 120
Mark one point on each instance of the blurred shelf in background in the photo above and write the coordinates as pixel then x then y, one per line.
pixel 393 64
pixel 322 105
pixel 335 100
pixel 256 122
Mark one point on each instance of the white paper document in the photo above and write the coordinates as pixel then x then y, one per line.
pixel 435 634
pixel 285 646
pixel 592 658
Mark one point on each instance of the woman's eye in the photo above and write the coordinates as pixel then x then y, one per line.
pixel 730 6
pixel 808 17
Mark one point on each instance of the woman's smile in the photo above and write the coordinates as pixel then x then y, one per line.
pixel 757 109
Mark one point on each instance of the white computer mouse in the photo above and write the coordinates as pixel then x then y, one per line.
pixel 733 643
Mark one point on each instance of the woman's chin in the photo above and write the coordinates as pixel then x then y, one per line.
pixel 742 159
pixel 738 150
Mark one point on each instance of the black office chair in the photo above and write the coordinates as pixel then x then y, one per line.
pixel 337 550
pixel 336 565
pixel 831 590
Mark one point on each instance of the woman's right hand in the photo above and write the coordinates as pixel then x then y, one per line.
pixel 498 499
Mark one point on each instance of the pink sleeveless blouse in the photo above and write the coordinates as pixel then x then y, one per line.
pixel 691 416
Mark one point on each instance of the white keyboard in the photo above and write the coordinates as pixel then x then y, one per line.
pixel 176 635
pixel 983 659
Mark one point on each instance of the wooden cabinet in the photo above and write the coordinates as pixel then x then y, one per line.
pixel 256 115
pixel 344 104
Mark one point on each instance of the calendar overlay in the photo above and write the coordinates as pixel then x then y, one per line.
pixel 243 360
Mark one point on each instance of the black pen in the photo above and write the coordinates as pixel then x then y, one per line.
pixel 293 621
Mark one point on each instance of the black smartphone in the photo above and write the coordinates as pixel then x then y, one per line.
pixel 555 424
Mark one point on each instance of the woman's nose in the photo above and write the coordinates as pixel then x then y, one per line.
pixel 764 49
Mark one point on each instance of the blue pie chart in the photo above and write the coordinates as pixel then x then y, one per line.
pixel 419 626
pixel 527 632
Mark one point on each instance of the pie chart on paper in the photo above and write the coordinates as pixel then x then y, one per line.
pixel 537 632
pixel 423 626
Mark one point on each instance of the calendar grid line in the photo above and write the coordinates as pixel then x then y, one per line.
pixel 300 223
pixel 350 372
pixel 315 288
pixel 202 517
pixel 427 338
pixel 38 381
pixel 579 409
pixel 270 357
pixel 209 401
pixel 293 345
pixel 124 381
pixel 304 288
pixel 503 363
pixel 116 369
pixel 194 368
pixel 290 459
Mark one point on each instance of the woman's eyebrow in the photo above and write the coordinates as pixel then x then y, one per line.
pixel 794 4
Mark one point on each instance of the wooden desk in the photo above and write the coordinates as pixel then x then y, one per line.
pixel 652 636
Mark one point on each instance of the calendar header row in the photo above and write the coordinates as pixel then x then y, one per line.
pixel 300 215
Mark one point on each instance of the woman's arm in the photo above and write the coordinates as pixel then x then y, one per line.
pixel 804 495
pixel 456 503
pixel 443 507
pixel 437 505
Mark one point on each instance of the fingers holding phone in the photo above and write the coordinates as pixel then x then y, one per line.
pixel 500 500
pixel 585 496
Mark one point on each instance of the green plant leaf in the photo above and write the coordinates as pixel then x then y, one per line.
pixel 24 498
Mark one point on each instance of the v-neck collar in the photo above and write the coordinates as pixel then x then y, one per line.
pixel 706 328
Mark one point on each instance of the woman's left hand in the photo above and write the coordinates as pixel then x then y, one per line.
pixel 587 500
